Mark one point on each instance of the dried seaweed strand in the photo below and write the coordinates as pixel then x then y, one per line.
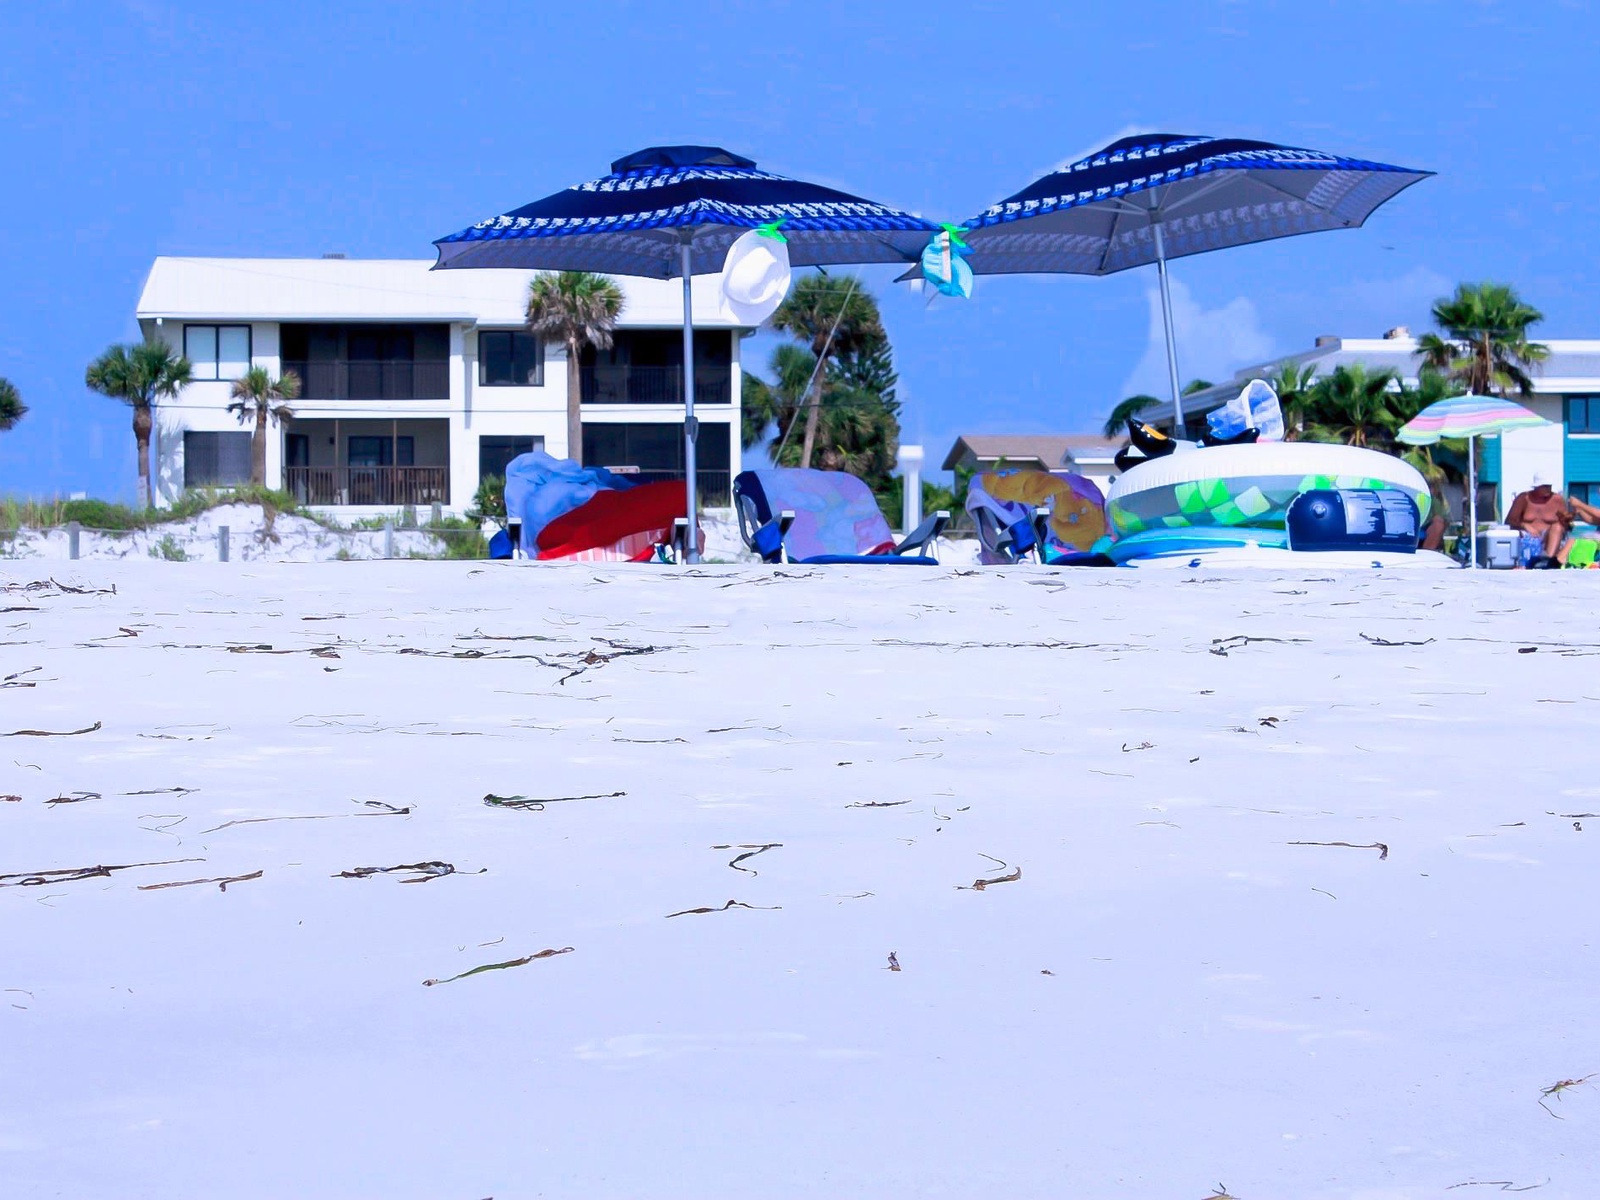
pixel 52 732
pixel 537 803
pixel 730 904
pixel 1380 847
pixel 71 874
pixel 500 966
pixel 388 812
pixel 422 872
pixel 750 851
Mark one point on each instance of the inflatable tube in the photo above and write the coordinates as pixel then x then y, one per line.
pixel 1248 486
pixel 1188 542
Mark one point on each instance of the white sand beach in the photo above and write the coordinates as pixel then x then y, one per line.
pixel 797 882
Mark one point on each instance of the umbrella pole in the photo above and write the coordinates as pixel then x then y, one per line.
pixel 1472 501
pixel 1166 321
pixel 691 427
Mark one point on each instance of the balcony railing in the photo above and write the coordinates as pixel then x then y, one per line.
pixel 653 385
pixel 716 488
pixel 387 486
pixel 372 379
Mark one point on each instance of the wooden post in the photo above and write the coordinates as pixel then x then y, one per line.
pixel 222 543
pixel 388 537
pixel 73 529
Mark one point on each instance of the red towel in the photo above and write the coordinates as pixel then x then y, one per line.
pixel 615 526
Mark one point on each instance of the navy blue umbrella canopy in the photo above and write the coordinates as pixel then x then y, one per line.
pixel 673 211
pixel 636 220
pixel 1158 196
pixel 1100 215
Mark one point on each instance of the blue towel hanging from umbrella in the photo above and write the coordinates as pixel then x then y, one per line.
pixel 675 211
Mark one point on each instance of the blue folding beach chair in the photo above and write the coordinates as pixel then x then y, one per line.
pixel 809 516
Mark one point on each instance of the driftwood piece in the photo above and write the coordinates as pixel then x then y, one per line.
pixel 978 885
pixel 222 882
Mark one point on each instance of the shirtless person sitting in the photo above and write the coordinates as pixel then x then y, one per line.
pixel 1542 515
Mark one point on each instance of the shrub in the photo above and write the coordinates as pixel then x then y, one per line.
pixel 489 502
pixel 169 549
pixel 99 514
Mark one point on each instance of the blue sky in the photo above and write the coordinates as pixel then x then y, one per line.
pixel 141 127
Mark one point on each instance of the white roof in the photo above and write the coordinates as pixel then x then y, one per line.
pixel 388 289
pixel 1573 365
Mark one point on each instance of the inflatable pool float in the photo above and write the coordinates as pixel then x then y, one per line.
pixel 1248 486
pixel 1252 554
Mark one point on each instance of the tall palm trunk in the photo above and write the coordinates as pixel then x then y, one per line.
pixel 141 438
pixel 574 402
pixel 258 449
pixel 813 418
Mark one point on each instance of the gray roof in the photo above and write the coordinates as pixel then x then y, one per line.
pixel 1050 450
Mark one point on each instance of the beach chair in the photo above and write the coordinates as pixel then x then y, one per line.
pixel 1582 552
pixel 1050 517
pixel 809 516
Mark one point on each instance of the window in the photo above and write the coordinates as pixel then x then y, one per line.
pixel 1588 493
pixel 217 351
pixel 656 449
pixel 216 459
pixel 1583 414
pixel 496 453
pixel 383 452
pixel 510 358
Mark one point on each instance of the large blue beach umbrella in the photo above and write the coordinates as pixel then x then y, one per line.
pixel 674 211
pixel 1158 196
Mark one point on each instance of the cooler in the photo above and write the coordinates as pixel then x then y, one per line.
pixel 1497 549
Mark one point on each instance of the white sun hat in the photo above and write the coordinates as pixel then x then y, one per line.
pixel 1540 479
pixel 755 277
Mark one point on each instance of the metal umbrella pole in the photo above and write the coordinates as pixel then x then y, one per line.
pixel 1472 501
pixel 691 427
pixel 1166 321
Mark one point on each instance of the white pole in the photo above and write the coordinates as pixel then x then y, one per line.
pixel 1166 321
pixel 1472 501
pixel 691 541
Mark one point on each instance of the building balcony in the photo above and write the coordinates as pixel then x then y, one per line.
pixel 387 487
pixel 608 384
pixel 372 379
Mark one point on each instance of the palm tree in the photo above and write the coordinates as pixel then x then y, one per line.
pixel 12 409
pixel 577 309
pixel 256 397
pixel 1353 406
pixel 1293 383
pixel 834 317
pixel 1485 346
pixel 1431 386
pixel 780 402
pixel 1117 423
pixel 139 375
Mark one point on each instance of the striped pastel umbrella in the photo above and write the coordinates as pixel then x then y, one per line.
pixel 1469 417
